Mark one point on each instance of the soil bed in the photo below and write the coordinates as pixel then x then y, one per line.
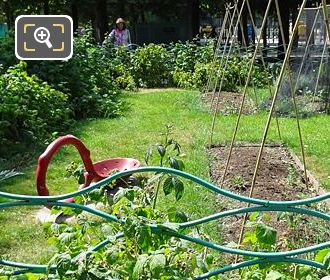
pixel 279 178
pixel 229 103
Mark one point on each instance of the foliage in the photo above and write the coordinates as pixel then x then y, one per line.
pixel 29 108
pixel 262 237
pixel 151 66
pixel 139 254
pixel 86 79
pixel 186 55
pixel 7 57
pixel 232 71
pixel 192 64
pixel 121 66
pixel 165 150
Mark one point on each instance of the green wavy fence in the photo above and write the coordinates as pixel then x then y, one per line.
pixel 257 205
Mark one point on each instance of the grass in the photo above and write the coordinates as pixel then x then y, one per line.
pixel 130 135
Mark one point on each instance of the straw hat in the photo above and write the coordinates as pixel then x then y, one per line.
pixel 120 20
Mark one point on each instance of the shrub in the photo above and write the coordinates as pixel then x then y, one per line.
pixel 183 79
pixel 187 55
pixel 121 65
pixel 87 79
pixel 7 54
pixel 29 108
pixel 151 66
pixel 192 63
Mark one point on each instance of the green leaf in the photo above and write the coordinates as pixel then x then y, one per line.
pixel 157 264
pixel 63 263
pixel 138 270
pixel 326 261
pixel 144 237
pixel 161 150
pixel 250 237
pixel 66 237
pixel 253 216
pixel 6 174
pixel 176 163
pixel 168 185
pixel 266 234
pixel 275 275
pixel 170 226
pixel 179 188
pixel 320 256
pixel 119 195
pixel 96 194
pixel 266 217
pixel 176 216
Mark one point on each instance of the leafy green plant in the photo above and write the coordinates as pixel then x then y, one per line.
pixel 186 55
pixel 7 45
pixel 238 182
pixel 137 254
pixel 88 79
pixel 292 175
pixel 169 154
pixel 30 110
pixel 76 171
pixel 262 237
pixel 151 66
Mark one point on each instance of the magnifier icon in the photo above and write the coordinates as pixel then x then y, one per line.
pixel 41 35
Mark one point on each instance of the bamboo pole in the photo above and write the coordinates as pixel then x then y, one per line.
pixel 319 71
pixel 264 65
pixel 223 73
pixel 223 55
pixel 279 82
pixel 223 28
pixel 245 89
pixel 293 89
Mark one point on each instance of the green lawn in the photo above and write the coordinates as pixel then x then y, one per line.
pixel 130 135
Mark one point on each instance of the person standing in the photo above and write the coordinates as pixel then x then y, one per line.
pixel 120 36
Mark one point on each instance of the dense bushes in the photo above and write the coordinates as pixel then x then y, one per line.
pixel 29 108
pixel 189 66
pixel 151 66
pixel 7 54
pixel 87 79
pixel 41 97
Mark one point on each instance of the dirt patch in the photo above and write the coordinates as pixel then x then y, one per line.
pixel 279 178
pixel 229 103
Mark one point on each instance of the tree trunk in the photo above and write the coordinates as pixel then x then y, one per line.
pixel 46 7
pixel 253 10
pixel 101 20
pixel 193 19
pixel 75 15
pixel 285 16
pixel 9 16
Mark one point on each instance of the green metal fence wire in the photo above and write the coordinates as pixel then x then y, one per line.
pixel 256 205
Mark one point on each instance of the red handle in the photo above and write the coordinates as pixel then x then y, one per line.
pixel 46 157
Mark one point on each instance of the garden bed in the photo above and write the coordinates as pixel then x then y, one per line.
pixel 280 177
pixel 229 103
